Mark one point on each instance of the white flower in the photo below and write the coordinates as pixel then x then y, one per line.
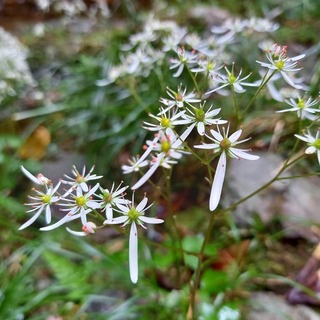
pixel 165 120
pixel 80 202
pixel 42 202
pixel 303 107
pixel 201 118
pixel 185 58
pixel 134 215
pixel 138 162
pixel 39 179
pixel 262 25
pixel 278 60
pixel 229 29
pixel 179 99
pixel 134 165
pixel 231 80
pixel 226 146
pixel 209 67
pixel 80 179
pixel 312 142
pixel 111 198
pixel 169 146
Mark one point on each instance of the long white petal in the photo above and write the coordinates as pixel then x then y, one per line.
pixel 289 81
pixel 243 155
pixel 133 253
pixel 150 220
pixel 318 155
pixel 77 233
pixel 117 220
pixel 30 176
pixel 149 173
pixel 62 221
pixel 48 214
pixel 218 182
pixel 32 220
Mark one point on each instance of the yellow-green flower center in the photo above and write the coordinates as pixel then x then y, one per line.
pixel 179 96
pixel 301 104
pixel 165 122
pixel 165 146
pixel 199 115
pixel 133 214
pixel 232 78
pixel 80 179
pixel 107 197
pixel 46 198
pixel 316 144
pixel 225 143
pixel 279 64
pixel 81 201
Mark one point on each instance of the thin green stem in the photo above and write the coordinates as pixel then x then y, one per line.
pixel 262 85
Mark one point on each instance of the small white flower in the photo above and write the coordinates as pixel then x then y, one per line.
pixel 312 142
pixel 262 25
pixel 303 107
pixel 185 58
pixel 201 118
pixel 42 202
pixel 226 146
pixel 134 215
pixel 179 99
pixel 169 146
pixel 80 202
pixel 138 162
pixel 80 179
pixel 229 29
pixel 231 80
pixel 165 120
pixel 111 198
pixel 278 60
pixel 207 66
pixel 134 165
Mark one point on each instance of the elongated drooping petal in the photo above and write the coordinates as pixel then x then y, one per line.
pixel 218 182
pixel 133 253
pixel 30 176
pixel 149 173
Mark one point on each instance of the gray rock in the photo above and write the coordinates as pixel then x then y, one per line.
pixel 269 306
pixel 295 201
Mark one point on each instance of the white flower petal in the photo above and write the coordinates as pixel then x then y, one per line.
pixel 62 221
pixel 77 233
pixel 217 135
pixel 149 173
pixel 142 204
pixel 133 253
pixel 30 176
pixel 117 220
pixel 32 220
pixel 48 214
pixel 289 81
pixel 84 186
pixel 201 128
pixel 150 220
pixel 243 155
pixel 235 136
pixel 310 150
pixel 216 189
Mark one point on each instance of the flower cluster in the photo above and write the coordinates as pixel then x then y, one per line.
pixel 14 69
pixel 91 205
